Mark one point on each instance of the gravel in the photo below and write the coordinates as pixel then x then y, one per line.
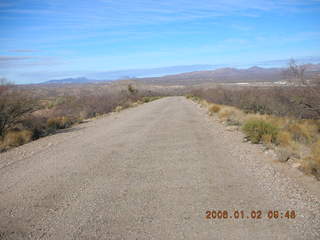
pixel 152 172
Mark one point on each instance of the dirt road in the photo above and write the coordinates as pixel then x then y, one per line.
pixel 150 172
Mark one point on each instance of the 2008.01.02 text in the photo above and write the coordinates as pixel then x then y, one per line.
pixel 254 214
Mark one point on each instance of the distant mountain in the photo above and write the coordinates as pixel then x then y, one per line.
pixel 220 75
pixel 70 80
pixel 227 75
pixel 150 72
pixel 130 74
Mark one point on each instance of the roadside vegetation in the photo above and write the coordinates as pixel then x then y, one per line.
pixel 27 113
pixel 286 120
pixel 289 138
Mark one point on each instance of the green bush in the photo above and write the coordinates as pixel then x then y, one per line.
pixel 255 129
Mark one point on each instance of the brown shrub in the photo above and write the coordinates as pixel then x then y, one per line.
pixel 266 139
pixel 118 109
pixel 13 107
pixel 17 138
pixel 298 102
pixel 284 139
pixel 232 116
pixel 301 132
pixel 214 108
pixel 59 123
pixel 312 163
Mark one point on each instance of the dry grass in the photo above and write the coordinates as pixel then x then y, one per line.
pixel 231 115
pixel 214 108
pixel 280 101
pixel 59 123
pixel 284 139
pixel 150 99
pixel 312 163
pixel 16 138
pixel 303 131
pixel 118 108
pixel 266 139
pixel 289 137
pixel 280 122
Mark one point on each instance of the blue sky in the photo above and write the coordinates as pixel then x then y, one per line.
pixel 49 39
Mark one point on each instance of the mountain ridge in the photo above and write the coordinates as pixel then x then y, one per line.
pixel 219 75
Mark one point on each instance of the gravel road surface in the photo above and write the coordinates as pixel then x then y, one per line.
pixel 152 172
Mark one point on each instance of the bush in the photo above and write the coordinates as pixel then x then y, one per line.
pixel 302 103
pixel 59 123
pixel 13 107
pixel 193 98
pixel 214 108
pixel 37 125
pixel 312 163
pixel 266 139
pixel 17 138
pixel 301 132
pixel 149 99
pixel 231 116
pixel 118 109
pixel 255 129
pixel 284 139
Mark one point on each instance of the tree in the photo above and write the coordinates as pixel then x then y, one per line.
pixel 13 106
pixel 132 90
pixel 295 73
pixel 308 95
pixel 4 85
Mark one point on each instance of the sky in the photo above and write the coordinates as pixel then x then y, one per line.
pixel 50 39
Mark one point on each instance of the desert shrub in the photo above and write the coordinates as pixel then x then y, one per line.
pixel 312 163
pixel 256 128
pixel 301 132
pixel 284 139
pixel 13 107
pixel 298 102
pixel 17 138
pixel 214 108
pixel 146 99
pixel 118 108
pixel 132 90
pixel 316 123
pixel 150 99
pixel 193 98
pixel 37 125
pixel 59 123
pixel 280 122
pixel 45 109
pixel 231 116
pixel 266 139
